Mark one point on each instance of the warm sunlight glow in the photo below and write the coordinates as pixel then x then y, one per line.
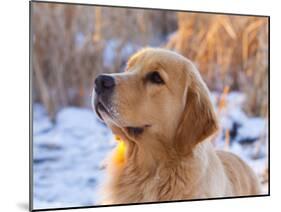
pixel 119 156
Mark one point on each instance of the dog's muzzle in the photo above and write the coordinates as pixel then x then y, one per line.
pixel 104 87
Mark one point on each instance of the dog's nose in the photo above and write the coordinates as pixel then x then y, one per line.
pixel 104 83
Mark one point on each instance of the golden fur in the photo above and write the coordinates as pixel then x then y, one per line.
pixel 172 159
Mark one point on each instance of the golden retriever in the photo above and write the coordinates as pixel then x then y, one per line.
pixel 161 109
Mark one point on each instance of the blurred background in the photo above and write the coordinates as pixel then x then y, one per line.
pixel 72 44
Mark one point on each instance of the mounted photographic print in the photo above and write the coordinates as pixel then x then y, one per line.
pixel 137 105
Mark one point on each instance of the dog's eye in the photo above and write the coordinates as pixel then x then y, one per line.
pixel 155 77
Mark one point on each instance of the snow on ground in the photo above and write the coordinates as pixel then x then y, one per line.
pixel 68 154
pixel 247 135
pixel 67 157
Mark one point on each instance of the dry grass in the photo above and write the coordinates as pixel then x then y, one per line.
pixel 69 44
pixel 230 51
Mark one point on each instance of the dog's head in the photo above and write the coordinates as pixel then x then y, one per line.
pixel 160 100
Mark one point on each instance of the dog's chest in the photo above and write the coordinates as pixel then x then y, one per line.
pixel 132 186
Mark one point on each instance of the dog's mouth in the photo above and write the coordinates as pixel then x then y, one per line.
pixel 136 131
pixel 133 131
pixel 102 110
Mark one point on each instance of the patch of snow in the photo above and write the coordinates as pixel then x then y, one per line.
pixel 252 128
pixel 67 158
pixel 79 39
pixel 44 123
pixel 248 135
pixel 110 51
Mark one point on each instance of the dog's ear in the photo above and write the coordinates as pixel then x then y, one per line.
pixel 199 120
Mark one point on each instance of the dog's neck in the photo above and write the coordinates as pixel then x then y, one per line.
pixel 146 154
pixel 147 160
pixel 150 173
